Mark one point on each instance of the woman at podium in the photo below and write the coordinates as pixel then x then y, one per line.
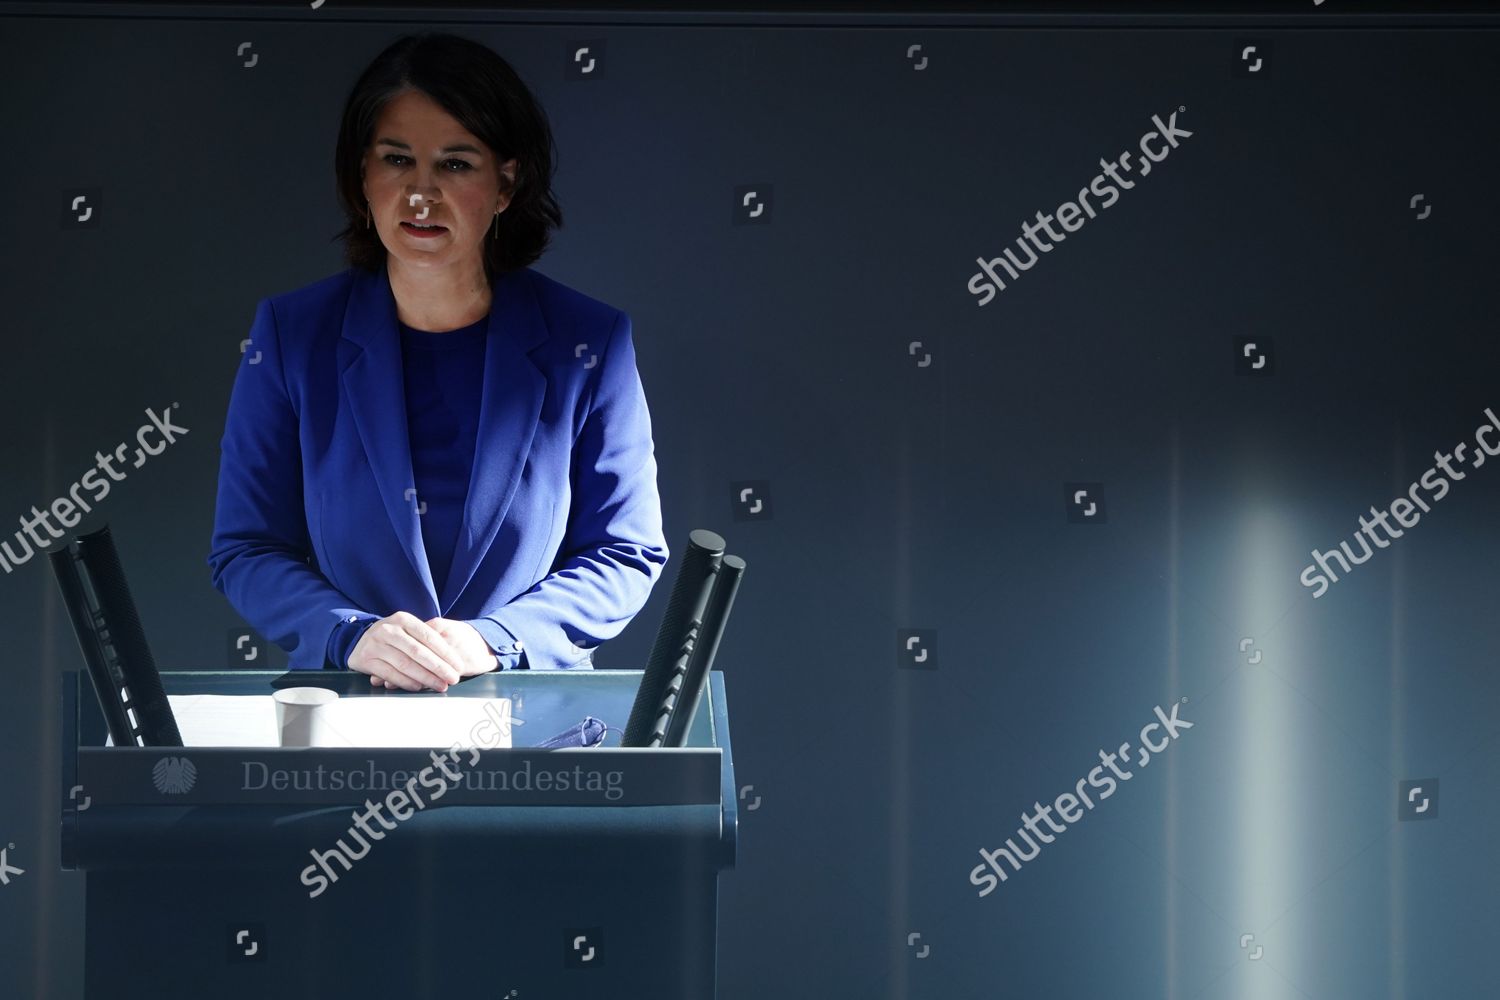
pixel 438 462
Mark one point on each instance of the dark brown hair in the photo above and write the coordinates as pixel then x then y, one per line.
pixel 479 89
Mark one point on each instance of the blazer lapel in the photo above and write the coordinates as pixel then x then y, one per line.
pixel 372 382
pixel 510 405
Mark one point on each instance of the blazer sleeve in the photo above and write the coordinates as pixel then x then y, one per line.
pixel 260 547
pixel 613 549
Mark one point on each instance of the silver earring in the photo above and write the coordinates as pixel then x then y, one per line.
pixel 497 225
pixel 367 216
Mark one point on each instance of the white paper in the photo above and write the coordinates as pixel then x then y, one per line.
pixel 216 720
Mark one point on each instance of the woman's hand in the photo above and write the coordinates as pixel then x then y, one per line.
pixel 463 650
pixel 402 651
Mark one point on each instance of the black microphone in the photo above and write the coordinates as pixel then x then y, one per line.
pixel 675 637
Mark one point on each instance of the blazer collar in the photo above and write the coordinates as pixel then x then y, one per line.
pixel 510 405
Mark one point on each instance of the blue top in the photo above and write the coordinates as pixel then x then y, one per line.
pixel 443 376
pixel 444 373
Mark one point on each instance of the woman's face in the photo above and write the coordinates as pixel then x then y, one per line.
pixel 420 158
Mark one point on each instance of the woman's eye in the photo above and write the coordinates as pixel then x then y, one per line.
pixel 391 158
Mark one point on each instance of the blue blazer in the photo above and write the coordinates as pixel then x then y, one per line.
pixel 316 521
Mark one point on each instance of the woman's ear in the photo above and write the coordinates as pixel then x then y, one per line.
pixel 508 189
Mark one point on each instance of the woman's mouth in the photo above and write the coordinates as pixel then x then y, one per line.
pixel 419 230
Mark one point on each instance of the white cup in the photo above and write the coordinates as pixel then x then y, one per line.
pixel 297 717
